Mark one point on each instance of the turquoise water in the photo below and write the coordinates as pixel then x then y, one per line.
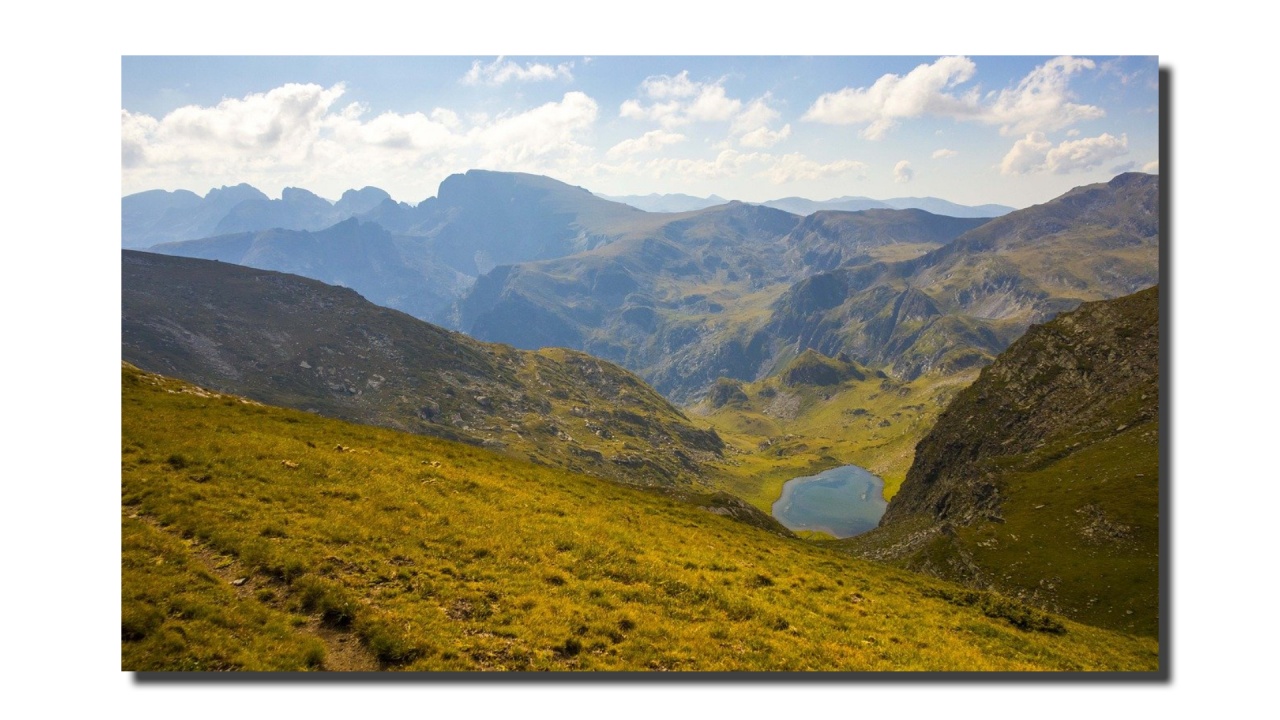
pixel 843 501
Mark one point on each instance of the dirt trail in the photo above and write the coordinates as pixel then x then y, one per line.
pixel 343 651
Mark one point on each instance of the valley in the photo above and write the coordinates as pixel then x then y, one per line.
pixel 471 434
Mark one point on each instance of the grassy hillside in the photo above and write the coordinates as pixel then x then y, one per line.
pixel 263 538
pixel 299 343
pixel 1041 480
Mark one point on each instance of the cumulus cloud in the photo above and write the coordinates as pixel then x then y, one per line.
pixel 902 172
pixel 1086 153
pixel 502 71
pixel 277 128
pixel 941 153
pixel 1035 153
pixel 893 98
pixel 649 142
pixel 1151 167
pixel 677 101
pixel 725 164
pixel 1041 101
pixel 1026 155
pixel 298 134
pixel 518 141
pixel 729 163
pixel 763 137
pixel 795 166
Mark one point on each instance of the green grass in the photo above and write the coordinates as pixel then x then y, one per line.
pixel 782 432
pixel 411 553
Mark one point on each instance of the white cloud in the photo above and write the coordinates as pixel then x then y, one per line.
pixel 298 135
pixel 667 115
pixel 756 115
pixel 752 125
pixel 794 166
pixel 730 163
pixel 1151 167
pixel 650 141
pixel 677 101
pixel 1035 153
pixel 725 164
pixel 896 97
pixel 499 72
pixel 274 128
pixel 1086 153
pixel 1041 101
pixel 1027 155
pixel 666 86
pixel 902 172
pixel 941 153
pixel 763 137
pixel 712 105
pixel 524 140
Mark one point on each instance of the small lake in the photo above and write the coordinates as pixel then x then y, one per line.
pixel 843 501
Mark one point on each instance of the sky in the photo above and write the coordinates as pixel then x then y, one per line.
pixel 970 129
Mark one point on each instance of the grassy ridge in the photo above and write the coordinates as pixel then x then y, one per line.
pixel 1041 479
pixel 356 546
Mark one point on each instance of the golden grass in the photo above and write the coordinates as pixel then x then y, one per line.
pixel 430 555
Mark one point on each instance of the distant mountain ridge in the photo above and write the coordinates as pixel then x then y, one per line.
pixel 679 202
pixel 937 206
pixel 159 216
pixel 666 203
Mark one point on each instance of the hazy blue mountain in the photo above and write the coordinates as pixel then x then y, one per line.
pixel 939 206
pixel 803 206
pixel 394 272
pixel 481 219
pixel 156 216
pixel 667 203
pixel 357 202
pixel 297 209
pixel 146 219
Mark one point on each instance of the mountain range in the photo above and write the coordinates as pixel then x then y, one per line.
pixel 678 202
pixel 1001 375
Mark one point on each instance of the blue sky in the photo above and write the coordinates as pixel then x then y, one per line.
pixel 972 129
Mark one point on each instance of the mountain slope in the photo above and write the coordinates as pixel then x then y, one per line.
pixel 679 303
pixel 298 343
pixel 1040 480
pixel 956 306
pixel 250 543
pixel 394 272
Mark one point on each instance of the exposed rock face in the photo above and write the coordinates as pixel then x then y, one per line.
pixel 1040 480
pixel 1061 378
